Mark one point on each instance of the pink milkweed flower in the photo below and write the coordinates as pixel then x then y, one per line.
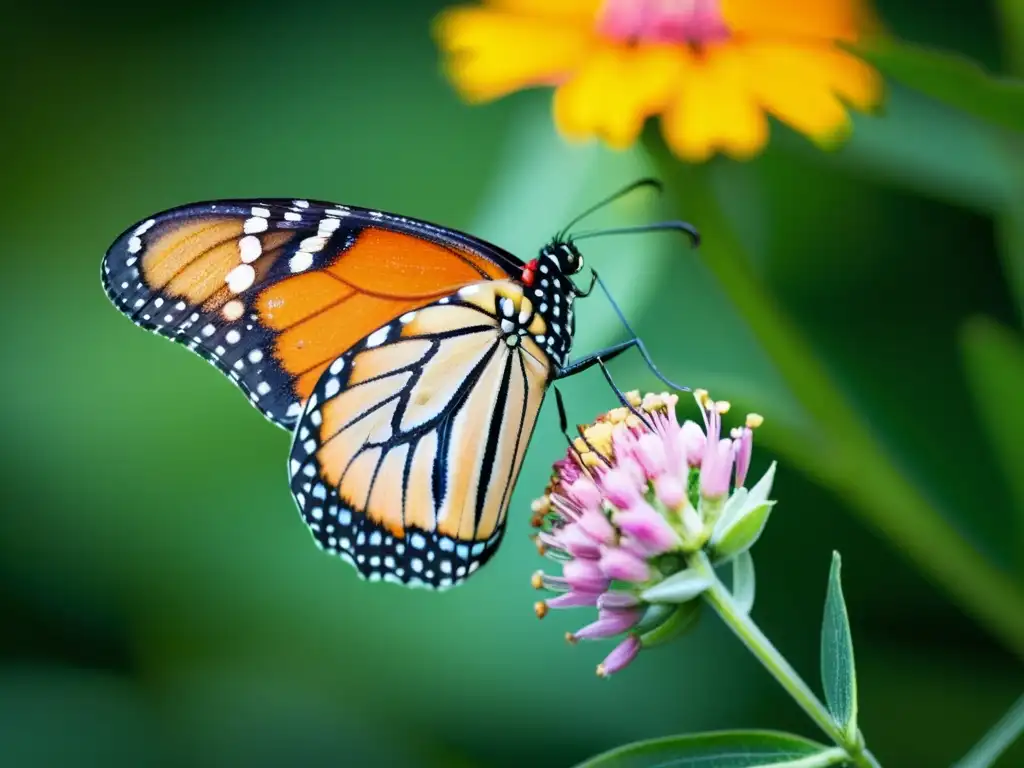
pixel 633 496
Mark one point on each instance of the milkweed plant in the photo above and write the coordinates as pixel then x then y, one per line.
pixel 644 513
pixel 638 518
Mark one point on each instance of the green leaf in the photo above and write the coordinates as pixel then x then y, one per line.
pixel 743 519
pixel 951 79
pixel 838 675
pixel 994 362
pixel 679 620
pixel 743 581
pixel 741 533
pixel 720 749
pixel 678 588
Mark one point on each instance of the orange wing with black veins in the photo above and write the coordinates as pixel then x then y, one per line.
pixel 271 292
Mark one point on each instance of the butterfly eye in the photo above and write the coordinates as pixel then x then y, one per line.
pixel 579 264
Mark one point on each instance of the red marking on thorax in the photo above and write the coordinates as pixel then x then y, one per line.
pixel 529 270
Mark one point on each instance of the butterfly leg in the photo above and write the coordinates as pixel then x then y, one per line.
pixel 563 420
pixel 590 288
pixel 564 424
pixel 610 353
pixel 621 395
pixel 636 340
pixel 600 358
pixel 605 355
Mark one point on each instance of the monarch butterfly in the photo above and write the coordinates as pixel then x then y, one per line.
pixel 409 360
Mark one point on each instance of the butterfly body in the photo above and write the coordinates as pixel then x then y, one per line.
pixel 409 360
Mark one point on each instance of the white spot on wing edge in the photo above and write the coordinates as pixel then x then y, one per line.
pixel 250 248
pixel 144 227
pixel 378 337
pixel 301 261
pixel 254 225
pixel 240 278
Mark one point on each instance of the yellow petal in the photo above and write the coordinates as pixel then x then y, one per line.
pixel 714 109
pixel 616 90
pixel 847 20
pixel 492 53
pixel 802 86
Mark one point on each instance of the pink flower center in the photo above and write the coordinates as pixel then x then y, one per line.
pixel 663 21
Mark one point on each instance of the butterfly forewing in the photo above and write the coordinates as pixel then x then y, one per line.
pixel 272 291
pixel 408 449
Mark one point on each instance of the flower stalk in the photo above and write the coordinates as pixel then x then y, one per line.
pixel 721 600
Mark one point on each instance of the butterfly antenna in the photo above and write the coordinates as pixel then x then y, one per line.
pixel 636 339
pixel 647 182
pixel 661 226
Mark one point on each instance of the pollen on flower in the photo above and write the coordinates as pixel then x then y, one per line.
pixel 541 548
pixel 541 609
pixel 618 415
pixel 754 420
pixel 599 437
pixel 658 402
pixel 537 580
pixel 540 508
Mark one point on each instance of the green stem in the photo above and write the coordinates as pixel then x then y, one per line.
pixel 996 741
pixel 843 451
pixel 719 598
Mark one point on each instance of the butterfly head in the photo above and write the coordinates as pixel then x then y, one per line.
pixel 556 262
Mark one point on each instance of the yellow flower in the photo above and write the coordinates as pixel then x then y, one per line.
pixel 712 69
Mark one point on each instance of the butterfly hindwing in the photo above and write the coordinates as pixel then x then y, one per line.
pixel 272 291
pixel 406 453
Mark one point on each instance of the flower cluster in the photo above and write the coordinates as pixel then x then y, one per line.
pixel 634 497
pixel 713 69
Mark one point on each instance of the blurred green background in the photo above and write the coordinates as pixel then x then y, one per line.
pixel 161 601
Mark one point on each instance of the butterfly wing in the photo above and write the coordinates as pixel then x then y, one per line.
pixel 272 291
pixel 407 451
